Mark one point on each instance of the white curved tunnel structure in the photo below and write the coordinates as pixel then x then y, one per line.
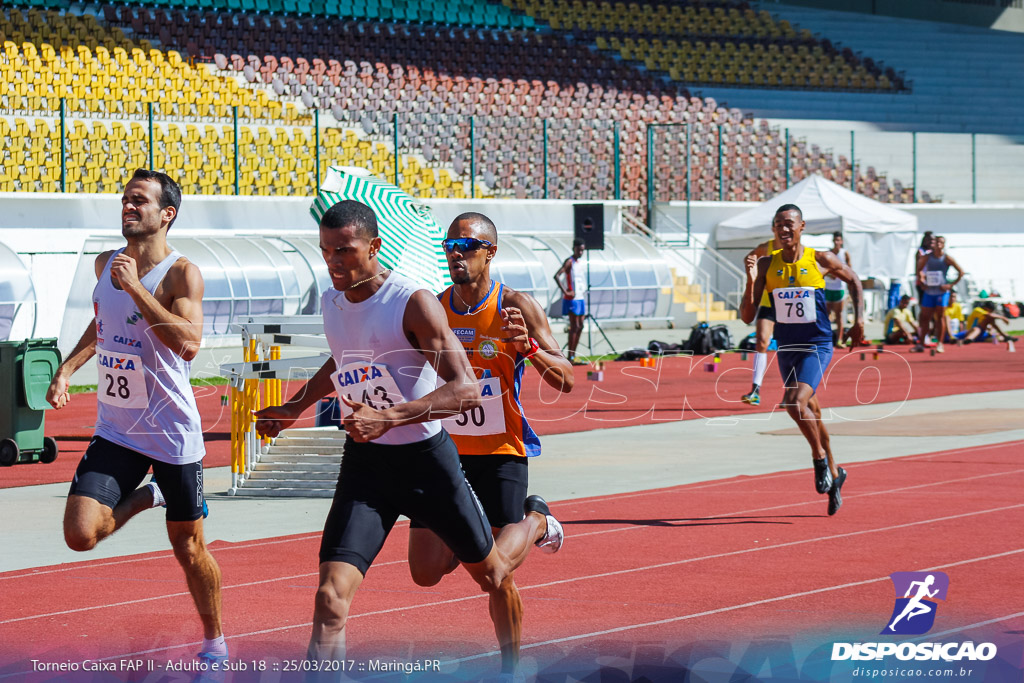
pixel 263 275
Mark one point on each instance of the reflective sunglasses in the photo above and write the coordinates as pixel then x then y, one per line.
pixel 464 244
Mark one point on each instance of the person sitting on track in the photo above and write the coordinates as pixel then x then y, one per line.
pixel 149 322
pixel 390 343
pixel 981 319
pixel 793 277
pixel 900 327
pixel 955 321
pixel 500 329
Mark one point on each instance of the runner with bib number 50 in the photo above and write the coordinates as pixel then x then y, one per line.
pixel 500 329
pixel 793 277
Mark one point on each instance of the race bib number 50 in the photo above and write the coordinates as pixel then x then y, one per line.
pixel 122 381
pixel 369 383
pixel 795 305
pixel 486 419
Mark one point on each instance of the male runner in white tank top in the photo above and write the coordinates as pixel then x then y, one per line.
pixel 148 325
pixel 835 290
pixel 390 343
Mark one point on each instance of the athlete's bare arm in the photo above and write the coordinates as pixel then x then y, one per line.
pixel 526 318
pixel 426 326
pixel 175 315
pixel 922 260
pixel 57 394
pixel 756 272
pixel 830 264
pixel 563 271
pixel 959 273
pixel 272 420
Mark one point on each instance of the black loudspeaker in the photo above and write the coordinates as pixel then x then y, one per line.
pixel 588 224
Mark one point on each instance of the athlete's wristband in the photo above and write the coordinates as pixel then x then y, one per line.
pixel 534 348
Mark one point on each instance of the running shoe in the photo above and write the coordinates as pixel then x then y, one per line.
pixel 835 499
pixel 753 398
pixel 553 537
pixel 212 668
pixel 822 477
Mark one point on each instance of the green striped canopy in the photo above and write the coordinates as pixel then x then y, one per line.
pixel 411 238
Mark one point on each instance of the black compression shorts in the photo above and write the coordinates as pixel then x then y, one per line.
pixel 766 313
pixel 109 473
pixel 500 482
pixel 420 480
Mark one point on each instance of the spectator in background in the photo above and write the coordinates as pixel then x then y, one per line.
pixel 954 317
pixel 981 319
pixel 574 294
pixel 835 294
pixel 931 273
pixel 926 248
pixel 900 327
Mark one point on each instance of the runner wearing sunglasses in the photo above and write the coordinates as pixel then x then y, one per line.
pixel 499 328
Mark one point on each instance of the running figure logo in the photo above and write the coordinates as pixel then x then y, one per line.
pixel 915 608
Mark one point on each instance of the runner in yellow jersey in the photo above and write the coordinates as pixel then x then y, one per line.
pixel 500 329
pixel 793 276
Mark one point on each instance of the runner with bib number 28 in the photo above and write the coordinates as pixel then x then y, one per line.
pixel 500 329
pixel 793 276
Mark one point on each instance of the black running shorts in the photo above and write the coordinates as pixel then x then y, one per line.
pixel 500 482
pixel 109 473
pixel 420 480
pixel 766 313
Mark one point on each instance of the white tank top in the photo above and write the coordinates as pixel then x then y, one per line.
pixel 145 400
pixel 374 361
pixel 578 276
pixel 833 283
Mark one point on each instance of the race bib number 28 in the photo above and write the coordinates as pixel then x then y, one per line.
pixel 795 305
pixel 122 381
pixel 369 383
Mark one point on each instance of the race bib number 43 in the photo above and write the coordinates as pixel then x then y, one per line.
pixel 795 305
pixel 486 419
pixel 369 383
pixel 122 381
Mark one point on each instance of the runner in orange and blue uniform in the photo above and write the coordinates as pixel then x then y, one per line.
pixel 793 276
pixel 500 329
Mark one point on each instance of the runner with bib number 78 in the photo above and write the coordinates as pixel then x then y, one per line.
pixel 793 276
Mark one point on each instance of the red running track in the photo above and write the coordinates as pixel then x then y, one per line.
pixel 679 388
pixel 642 576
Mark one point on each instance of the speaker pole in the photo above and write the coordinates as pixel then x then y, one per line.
pixel 590 343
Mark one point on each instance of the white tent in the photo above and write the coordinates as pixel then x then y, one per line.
pixel 879 238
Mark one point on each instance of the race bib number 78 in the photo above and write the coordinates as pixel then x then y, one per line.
pixel 795 305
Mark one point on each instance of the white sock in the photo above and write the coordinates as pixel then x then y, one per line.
pixel 158 495
pixel 760 367
pixel 217 646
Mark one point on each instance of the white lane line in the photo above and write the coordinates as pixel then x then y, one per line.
pixel 639 569
pixel 755 603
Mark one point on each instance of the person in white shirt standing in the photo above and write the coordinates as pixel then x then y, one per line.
pixel 148 325
pixel 574 295
pixel 835 291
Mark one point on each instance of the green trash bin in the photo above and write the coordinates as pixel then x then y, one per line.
pixel 26 370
